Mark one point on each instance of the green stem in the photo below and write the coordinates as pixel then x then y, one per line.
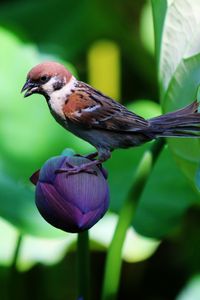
pixel 114 256
pixel 83 266
pixel 13 266
pixel 13 291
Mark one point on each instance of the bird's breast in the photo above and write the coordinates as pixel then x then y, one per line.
pixel 56 104
pixel 59 98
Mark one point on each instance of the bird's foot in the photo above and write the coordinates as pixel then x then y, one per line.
pixel 86 168
pixel 90 156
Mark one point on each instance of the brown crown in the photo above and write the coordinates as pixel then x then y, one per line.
pixel 49 68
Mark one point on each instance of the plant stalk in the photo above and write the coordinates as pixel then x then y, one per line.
pixel 13 274
pixel 83 266
pixel 114 256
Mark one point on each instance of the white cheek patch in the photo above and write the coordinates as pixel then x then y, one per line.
pixel 59 97
pixel 48 87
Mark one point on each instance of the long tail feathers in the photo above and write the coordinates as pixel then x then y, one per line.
pixel 181 123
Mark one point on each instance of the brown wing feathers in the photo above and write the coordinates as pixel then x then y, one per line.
pixel 89 107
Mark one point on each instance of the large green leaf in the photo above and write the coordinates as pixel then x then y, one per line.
pixel 165 199
pixel 180 38
pixel 179 73
pixel 183 89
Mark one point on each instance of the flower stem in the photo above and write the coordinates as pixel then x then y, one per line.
pixel 13 283
pixel 114 256
pixel 16 252
pixel 83 266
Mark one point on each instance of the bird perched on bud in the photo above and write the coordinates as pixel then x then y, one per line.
pixel 98 119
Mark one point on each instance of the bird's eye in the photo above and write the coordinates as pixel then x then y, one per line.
pixel 44 78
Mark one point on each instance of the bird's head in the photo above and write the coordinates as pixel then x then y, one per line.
pixel 45 79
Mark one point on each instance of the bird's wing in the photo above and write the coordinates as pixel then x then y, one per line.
pixel 92 109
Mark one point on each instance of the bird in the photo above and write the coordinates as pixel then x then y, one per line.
pixel 100 120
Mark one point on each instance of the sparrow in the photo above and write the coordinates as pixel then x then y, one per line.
pixel 100 120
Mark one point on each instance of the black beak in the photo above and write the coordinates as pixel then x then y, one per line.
pixel 30 88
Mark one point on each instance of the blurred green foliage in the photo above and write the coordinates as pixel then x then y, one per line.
pixel 79 34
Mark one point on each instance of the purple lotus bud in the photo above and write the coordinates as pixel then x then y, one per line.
pixel 73 202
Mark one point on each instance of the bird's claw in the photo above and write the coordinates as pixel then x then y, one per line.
pixel 79 170
pixel 90 156
pixel 72 170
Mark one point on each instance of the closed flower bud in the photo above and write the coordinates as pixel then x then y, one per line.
pixel 73 202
